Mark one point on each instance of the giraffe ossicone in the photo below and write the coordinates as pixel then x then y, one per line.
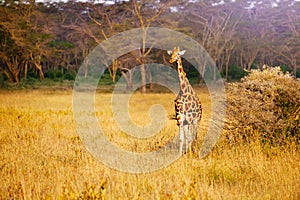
pixel 179 53
pixel 187 105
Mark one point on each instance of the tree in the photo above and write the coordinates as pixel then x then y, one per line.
pixel 146 15
pixel 214 28
pixel 24 40
pixel 288 36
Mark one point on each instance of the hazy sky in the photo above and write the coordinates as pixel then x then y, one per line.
pixel 251 3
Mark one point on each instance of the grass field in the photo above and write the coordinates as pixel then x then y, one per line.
pixel 42 157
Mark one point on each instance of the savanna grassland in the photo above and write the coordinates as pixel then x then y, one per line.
pixel 42 156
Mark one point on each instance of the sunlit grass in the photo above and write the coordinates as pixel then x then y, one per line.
pixel 41 155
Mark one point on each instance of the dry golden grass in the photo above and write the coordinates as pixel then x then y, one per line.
pixel 42 157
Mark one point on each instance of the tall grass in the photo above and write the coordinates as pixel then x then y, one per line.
pixel 42 157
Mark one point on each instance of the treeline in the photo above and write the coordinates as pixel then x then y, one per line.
pixel 50 38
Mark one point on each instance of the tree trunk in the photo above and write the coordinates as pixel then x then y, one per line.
pixel 143 77
pixel 294 67
pixel 40 70
pixel 86 68
pixel 214 73
pixel 150 79
pixel 128 77
pixel 25 70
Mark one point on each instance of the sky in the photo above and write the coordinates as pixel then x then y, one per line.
pixel 95 1
pixel 108 2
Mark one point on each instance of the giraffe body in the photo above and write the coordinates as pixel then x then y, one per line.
pixel 187 105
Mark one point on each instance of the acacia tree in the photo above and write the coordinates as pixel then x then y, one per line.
pixel 288 25
pixel 234 33
pixel 146 15
pixel 214 27
pixel 102 22
pixel 268 34
pixel 228 53
pixel 10 64
pixel 24 40
pixel 93 23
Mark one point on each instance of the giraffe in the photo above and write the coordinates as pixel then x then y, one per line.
pixel 187 105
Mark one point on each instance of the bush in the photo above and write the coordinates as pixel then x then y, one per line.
pixel 285 69
pixel 236 73
pixel 298 73
pixel 2 79
pixel 31 74
pixel 264 106
pixel 69 75
pixel 51 73
pixel 58 75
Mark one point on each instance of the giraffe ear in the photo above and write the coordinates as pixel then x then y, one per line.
pixel 181 52
pixel 169 52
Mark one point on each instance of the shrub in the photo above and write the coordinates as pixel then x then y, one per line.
pixel 69 75
pixel 265 105
pixel 2 79
pixel 236 73
pixel 32 74
pixel 58 75
pixel 298 73
pixel 50 74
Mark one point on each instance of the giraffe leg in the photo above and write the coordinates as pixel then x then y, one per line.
pixel 195 129
pixel 185 137
pixel 189 137
pixel 181 139
pixel 180 119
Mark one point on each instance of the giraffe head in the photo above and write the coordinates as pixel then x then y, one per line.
pixel 175 54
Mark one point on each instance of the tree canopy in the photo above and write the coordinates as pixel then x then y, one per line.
pixel 39 37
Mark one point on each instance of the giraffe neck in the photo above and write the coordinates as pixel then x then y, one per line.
pixel 181 75
pixel 180 68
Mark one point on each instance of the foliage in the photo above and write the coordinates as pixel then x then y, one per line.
pixel 298 73
pixel 2 80
pixel 264 106
pixel 41 36
pixel 53 74
pixel 61 44
pixel 69 75
pixel 235 73
pixel 59 75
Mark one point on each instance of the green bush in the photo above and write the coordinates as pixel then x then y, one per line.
pixel 69 75
pixel 236 73
pixel 298 73
pixel 2 79
pixel 50 74
pixel 32 74
pixel 264 106
pixel 58 75
pixel 193 75
pixel 285 69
